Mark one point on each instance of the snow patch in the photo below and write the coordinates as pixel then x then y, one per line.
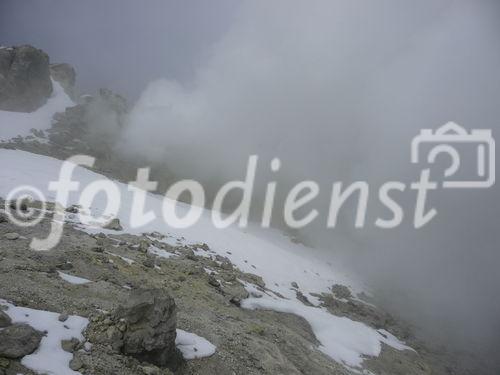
pixel 49 358
pixel 73 279
pixel 193 346
pixel 344 340
pixel 160 252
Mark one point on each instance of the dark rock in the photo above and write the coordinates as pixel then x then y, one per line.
pixel 4 320
pixel 302 298
pixel 191 256
pixel 341 291
pixel 18 205
pixel 98 249
pixel 25 83
pixel 151 319
pixel 72 209
pixel 65 266
pixel 70 345
pixel 149 263
pixel 63 317
pixel 75 364
pixel 235 301
pixel 18 340
pixel 213 281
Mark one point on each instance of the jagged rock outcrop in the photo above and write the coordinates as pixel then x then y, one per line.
pixel 65 74
pixel 143 328
pixel 25 83
pixel 150 332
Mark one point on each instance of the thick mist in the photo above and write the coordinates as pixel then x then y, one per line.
pixel 337 90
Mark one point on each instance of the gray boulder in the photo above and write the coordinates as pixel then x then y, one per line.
pixel 25 83
pixel 151 319
pixel 18 340
pixel 66 76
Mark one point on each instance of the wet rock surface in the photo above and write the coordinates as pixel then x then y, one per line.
pixel 25 83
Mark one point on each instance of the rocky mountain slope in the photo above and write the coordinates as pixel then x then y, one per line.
pixel 115 300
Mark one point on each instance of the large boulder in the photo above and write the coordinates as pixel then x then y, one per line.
pixel 25 83
pixel 151 318
pixel 65 75
pixel 19 340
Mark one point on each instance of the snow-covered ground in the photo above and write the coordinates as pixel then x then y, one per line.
pixel 13 124
pixel 49 358
pixel 266 253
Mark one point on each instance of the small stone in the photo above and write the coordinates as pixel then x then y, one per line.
pixel 213 281
pixel 4 362
pixel 66 266
pixel 72 209
pixel 70 345
pixel 75 364
pixel 191 256
pixel 5 320
pixel 107 322
pixel 114 225
pixel 11 236
pixel 144 246
pixel 235 301
pixel 63 317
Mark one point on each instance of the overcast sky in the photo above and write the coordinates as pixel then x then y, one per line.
pixel 119 44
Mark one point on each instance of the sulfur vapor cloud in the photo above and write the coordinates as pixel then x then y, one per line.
pixel 337 90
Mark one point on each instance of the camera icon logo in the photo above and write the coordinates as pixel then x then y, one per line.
pixel 446 139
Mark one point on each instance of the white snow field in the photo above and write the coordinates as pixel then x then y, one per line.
pixel 266 253
pixel 14 124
